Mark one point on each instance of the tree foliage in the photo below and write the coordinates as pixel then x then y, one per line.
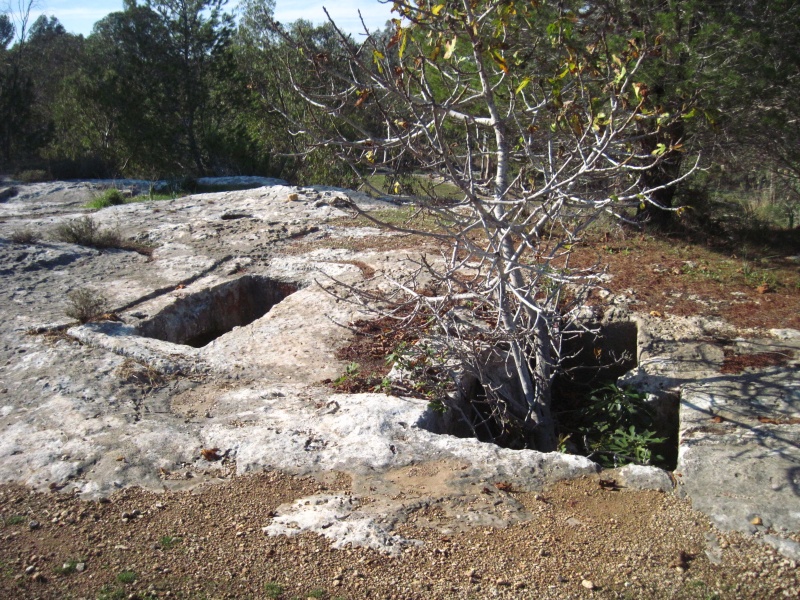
pixel 538 115
pixel 176 86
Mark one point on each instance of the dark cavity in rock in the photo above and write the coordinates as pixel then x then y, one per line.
pixel 591 361
pixel 200 318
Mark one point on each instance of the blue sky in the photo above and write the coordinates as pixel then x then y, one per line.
pixel 78 17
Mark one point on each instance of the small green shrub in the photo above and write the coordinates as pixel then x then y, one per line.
pixel 350 373
pixel 273 590
pixel 15 520
pixel 126 577
pixel 317 593
pixel 85 305
pixel 25 236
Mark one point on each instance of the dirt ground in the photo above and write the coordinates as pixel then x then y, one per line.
pixel 583 539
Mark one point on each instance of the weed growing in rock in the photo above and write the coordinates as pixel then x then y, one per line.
pixel 273 590
pixel 350 373
pixel 85 305
pixel 14 520
pixel 25 235
pixel 108 592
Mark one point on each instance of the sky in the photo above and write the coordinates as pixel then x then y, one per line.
pixel 79 17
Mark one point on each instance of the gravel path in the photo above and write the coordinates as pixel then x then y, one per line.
pixel 582 540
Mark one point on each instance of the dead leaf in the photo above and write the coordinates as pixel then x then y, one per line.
pixel 362 97
pixel 503 486
pixel 717 419
pixel 764 288
pixel 682 560
pixel 210 454
pixel 655 313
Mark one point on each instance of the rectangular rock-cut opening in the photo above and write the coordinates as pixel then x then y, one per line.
pixel 593 416
pixel 198 319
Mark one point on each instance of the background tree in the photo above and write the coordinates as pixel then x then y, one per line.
pixel 196 40
pixel 555 106
pixel 16 88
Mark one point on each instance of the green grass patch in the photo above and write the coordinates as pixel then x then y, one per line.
pixel 68 567
pixel 110 592
pixel 273 590
pixel 126 577
pixel 110 197
pixel 15 520
pixel 404 217
pixel 421 186
pixel 169 541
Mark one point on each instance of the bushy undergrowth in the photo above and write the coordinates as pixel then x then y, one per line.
pixel 32 176
pixel 26 235
pixel 86 232
pixel 614 426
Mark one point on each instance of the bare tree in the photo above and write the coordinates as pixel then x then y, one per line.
pixel 536 113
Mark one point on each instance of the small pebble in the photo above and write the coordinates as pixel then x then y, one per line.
pixel 589 585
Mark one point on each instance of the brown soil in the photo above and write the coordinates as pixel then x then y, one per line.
pixel 583 539
pixel 672 276
pixel 750 284
pixel 737 363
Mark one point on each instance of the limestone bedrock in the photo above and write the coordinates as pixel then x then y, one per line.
pixel 92 408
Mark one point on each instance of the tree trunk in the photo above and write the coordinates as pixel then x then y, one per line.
pixel 666 171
